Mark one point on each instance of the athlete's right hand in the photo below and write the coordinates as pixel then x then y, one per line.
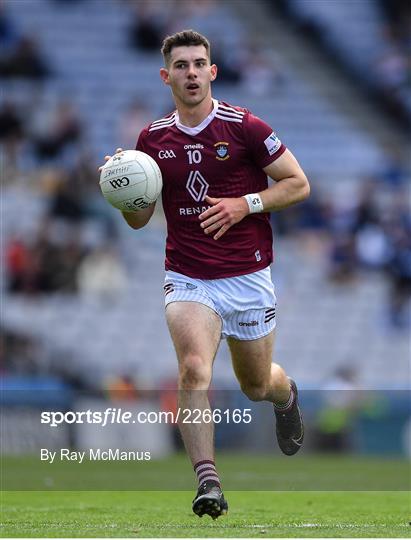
pixel 106 158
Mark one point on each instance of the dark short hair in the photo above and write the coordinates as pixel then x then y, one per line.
pixel 185 38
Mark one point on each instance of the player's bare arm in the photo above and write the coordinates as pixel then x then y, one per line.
pixel 291 186
pixel 136 220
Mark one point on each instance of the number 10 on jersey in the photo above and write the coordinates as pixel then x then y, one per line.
pixel 194 156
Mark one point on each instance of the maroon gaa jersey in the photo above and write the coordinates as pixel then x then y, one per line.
pixel 221 157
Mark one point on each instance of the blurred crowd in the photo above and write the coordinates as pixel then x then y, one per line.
pixel 393 67
pixel 20 54
pixel 380 62
pixel 366 232
pixel 152 22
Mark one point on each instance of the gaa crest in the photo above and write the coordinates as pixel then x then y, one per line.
pixel 222 150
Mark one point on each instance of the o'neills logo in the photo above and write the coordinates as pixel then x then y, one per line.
pixel 197 146
pixel 251 323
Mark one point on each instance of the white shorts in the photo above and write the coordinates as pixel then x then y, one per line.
pixel 246 304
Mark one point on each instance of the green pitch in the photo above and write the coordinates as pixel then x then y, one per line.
pixel 293 510
pixel 168 514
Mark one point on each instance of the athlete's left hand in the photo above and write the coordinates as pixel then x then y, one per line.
pixel 223 214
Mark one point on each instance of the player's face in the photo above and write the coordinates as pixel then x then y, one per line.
pixel 189 74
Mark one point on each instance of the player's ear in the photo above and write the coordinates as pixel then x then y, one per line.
pixel 214 71
pixel 164 75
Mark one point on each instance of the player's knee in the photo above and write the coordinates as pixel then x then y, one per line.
pixel 194 373
pixel 255 392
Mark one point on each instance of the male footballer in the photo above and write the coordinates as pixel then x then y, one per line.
pixel 215 159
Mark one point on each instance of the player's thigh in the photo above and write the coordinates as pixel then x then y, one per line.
pixel 252 359
pixel 195 330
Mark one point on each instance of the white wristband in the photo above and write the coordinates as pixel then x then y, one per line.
pixel 255 204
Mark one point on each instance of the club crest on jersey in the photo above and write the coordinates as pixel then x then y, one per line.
pixel 222 150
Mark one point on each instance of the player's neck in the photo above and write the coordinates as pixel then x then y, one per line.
pixel 193 116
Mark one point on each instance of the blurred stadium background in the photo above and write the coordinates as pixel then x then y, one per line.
pixel 82 310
